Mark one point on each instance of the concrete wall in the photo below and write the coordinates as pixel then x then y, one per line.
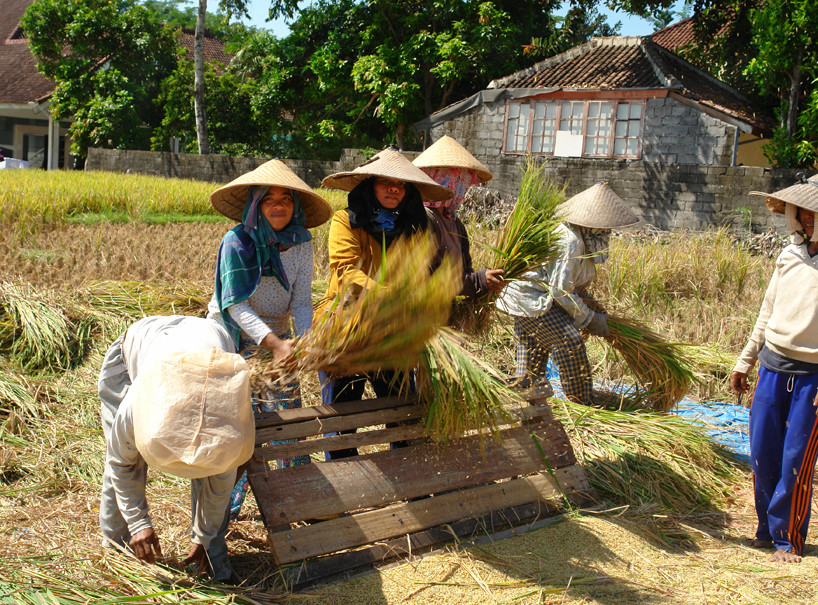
pixel 667 195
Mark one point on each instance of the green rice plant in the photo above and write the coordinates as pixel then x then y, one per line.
pixel 647 459
pixel 463 393
pixel 54 195
pixel 383 326
pixel 660 367
pixel 528 239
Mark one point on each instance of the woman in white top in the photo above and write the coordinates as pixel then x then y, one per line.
pixel 264 274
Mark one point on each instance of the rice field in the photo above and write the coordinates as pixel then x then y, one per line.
pixel 83 257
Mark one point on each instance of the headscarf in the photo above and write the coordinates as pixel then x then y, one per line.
pixel 458 180
pixel 252 250
pixel 596 243
pixel 385 224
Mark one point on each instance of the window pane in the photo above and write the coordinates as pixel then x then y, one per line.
pixel 591 128
pixel 513 110
pixel 631 148
pixel 621 129
pixel 605 109
pixel 622 111
pixel 604 128
pixel 539 110
pixel 511 132
pixel 593 110
pixel 602 146
pixel 636 110
pixel 551 110
pixel 619 146
pixel 633 128
pixel 589 146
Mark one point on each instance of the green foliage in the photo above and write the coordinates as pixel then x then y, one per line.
pixel 108 79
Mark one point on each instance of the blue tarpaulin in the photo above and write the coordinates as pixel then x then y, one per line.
pixel 726 423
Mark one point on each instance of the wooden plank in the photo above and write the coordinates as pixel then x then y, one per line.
pixel 360 439
pixel 342 408
pixel 406 517
pixel 509 521
pixel 318 426
pixel 301 448
pixel 311 490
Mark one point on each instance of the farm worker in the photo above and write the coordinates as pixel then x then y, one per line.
pixel 450 164
pixel 264 276
pixel 783 427
pixel 548 304
pixel 385 202
pixel 155 379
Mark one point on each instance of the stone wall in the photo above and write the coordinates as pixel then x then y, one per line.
pixel 669 196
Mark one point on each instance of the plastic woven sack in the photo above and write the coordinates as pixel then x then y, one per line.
pixel 192 415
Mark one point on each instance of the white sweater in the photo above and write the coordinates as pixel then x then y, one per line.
pixel 788 321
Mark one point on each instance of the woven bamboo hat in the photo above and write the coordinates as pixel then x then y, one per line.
pixel 597 207
pixel 230 199
pixel 392 164
pixel 803 194
pixel 448 153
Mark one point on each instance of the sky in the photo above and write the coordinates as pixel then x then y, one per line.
pixel 631 26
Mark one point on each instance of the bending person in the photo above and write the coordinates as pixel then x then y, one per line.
pixel 152 381
pixel 547 304
pixel 783 428
pixel 264 276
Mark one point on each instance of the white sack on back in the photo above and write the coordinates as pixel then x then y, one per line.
pixel 192 415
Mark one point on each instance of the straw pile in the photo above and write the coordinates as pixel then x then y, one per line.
pixel 650 460
pixel 660 367
pixel 526 241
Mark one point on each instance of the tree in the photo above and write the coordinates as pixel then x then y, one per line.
pixel 364 71
pixel 107 60
pixel 198 80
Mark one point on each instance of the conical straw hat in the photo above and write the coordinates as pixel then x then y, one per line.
pixel 391 164
pixel 597 207
pixel 803 194
pixel 230 199
pixel 448 153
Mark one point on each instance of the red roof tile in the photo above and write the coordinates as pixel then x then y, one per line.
pixel 213 47
pixel 673 37
pixel 20 82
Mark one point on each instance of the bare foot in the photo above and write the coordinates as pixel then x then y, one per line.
pixel 756 543
pixel 782 556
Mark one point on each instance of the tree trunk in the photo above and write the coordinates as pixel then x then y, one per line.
pixel 198 80
pixel 399 135
pixel 795 93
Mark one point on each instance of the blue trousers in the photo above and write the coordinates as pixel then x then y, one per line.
pixel 783 448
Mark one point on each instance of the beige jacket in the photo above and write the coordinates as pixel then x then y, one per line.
pixel 788 321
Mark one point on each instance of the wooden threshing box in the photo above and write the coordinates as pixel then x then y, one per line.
pixel 328 517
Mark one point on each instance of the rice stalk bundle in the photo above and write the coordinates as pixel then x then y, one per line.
pixel 18 404
pixel 140 299
pixel 463 393
pixel 113 578
pixel 385 325
pixel 528 239
pixel 648 459
pixel 34 331
pixel 710 359
pixel 661 367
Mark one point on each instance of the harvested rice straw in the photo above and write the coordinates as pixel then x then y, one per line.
pixel 709 359
pixel 526 241
pixel 463 393
pixel 139 299
pixel 659 366
pixel 383 326
pixel 643 458
pixel 18 401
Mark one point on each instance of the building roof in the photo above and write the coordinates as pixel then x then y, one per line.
pixel 675 36
pixel 619 63
pixel 20 82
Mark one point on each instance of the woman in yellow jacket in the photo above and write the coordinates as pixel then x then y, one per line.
pixel 385 203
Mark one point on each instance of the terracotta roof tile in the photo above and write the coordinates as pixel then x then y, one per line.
pixel 673 37
pixel 20 82
pixel 213 47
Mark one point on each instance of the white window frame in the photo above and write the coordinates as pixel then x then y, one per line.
pixel 533 133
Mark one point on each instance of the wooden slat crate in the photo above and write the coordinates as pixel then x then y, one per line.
pixel 369 508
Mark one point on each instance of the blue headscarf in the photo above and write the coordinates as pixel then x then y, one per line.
pixel 252 250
